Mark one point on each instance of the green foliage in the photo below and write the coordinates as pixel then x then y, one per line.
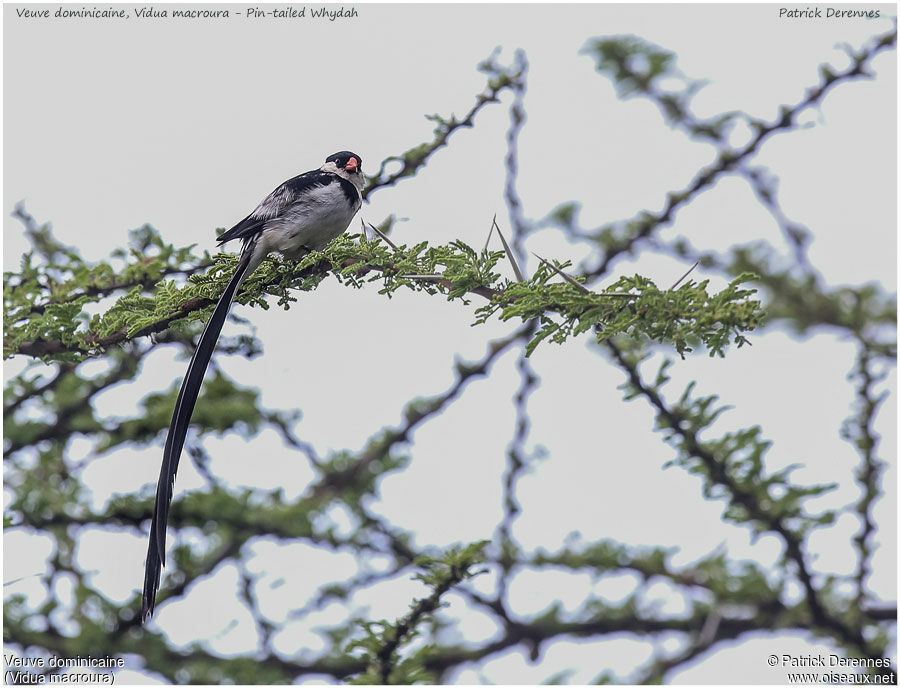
pixel 633 306
pixel 640 68
pixel 383 640
pixel 45 300
pixel 633 63
pixel 743 582
pixel 407 164
pixel 805 301
pixel 732 466
pixel 681 317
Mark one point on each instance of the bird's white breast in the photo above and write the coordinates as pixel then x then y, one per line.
pixel 310 223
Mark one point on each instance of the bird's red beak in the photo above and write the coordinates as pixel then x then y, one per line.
pixel 351 165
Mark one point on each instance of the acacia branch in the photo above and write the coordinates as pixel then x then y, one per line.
pixel 859 430
pixel 48 385
pixel 414 159
pixel 643 225
pixel 41 348
pixel 414 415
pixel 820 615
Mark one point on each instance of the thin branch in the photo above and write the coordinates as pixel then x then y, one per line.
pixel 643 225
pixel 50 384
pixel 517 462
pixel 793 541
pixel 859 430
pixel 416 158
pixel 414 415
pixel 517 117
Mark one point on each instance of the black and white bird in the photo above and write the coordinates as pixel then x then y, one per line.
pixel 301 215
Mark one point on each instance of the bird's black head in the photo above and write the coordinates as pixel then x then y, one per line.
pixel 347 161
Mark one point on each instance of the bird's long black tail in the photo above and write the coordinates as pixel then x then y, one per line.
pixel 184 407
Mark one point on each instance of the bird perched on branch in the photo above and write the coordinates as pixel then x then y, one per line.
pixel 300 216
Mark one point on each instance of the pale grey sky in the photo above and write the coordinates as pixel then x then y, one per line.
pixel 186 125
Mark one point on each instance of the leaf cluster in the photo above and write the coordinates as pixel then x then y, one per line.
pixel 732 466
pixel 683 317
pixel 49 298
pixel 383 639
pixel 639 68
pixel 62 330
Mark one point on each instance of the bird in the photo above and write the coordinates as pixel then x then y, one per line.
pixel 301 215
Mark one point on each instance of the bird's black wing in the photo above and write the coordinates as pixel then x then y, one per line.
pixel 184 407
pixel 275 203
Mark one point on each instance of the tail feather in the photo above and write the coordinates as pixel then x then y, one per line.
pixel 184 407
